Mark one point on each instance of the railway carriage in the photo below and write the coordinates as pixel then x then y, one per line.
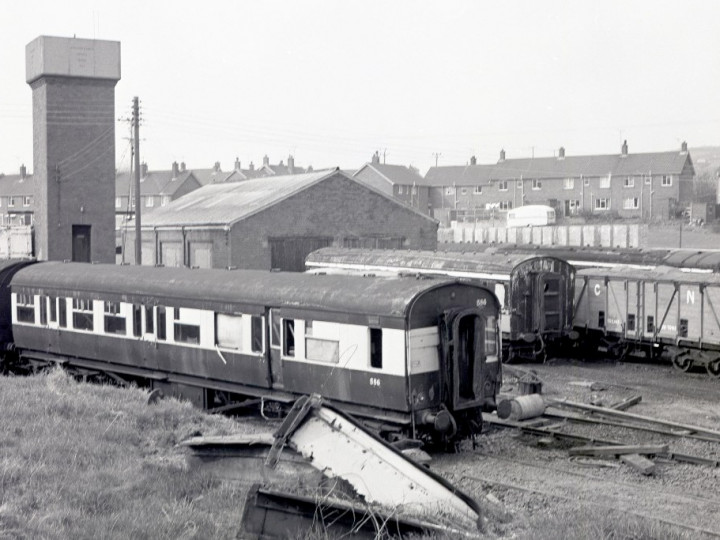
pixel 663 312
pixel 417 358
pixel 535 292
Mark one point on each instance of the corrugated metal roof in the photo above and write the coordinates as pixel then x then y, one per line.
pixel 226 203
pixel 568 167
pixel 666 274
pixel 346 294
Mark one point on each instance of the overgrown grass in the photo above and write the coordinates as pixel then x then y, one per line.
pixel 89 461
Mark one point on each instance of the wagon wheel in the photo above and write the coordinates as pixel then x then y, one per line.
pixel 682 362
pixel 713 368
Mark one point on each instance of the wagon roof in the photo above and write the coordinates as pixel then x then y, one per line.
pixel 499 266
pixel 374 296
pixel 658 273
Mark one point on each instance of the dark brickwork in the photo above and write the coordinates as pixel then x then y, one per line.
pixel 74 165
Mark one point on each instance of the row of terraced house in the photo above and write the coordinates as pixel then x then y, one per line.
pixel 650 186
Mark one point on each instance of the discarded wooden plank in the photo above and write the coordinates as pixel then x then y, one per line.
pixel 621 414
pixel 619 450
pixel 626 403
pixel 642 464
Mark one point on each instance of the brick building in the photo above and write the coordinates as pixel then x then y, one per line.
pixel 650 186
pixel 17 198
pixel 275 221
pixel 73 91
pixel 403 183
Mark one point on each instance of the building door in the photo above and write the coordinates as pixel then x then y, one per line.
pixel 81 243
pixel 288 253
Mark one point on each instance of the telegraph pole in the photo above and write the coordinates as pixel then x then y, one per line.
pixel 136 158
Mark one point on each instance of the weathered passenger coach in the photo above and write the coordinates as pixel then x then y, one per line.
pixel 418 357
pixel 661 312
pixel 535 292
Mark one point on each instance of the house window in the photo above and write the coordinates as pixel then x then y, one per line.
pixel 602 204
pixel 400 190
pixel 26 200
pixel 414 190
pixel 83 314
pixel 629 182
pixel 605 181
pixel 448 191
pixel 631 203
pixel 376 348
pixel 502 185
pixel 505 205
pixel 118 202
pixel 478 190
pixel 164 201
pixel 536 184
pixel 569 183
pixel 132 202
pixel 666 180
pixel 150 202
pixel 114 321
pixel 648 180
pixel 11 202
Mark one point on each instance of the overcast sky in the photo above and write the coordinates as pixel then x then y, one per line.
pixel 332 81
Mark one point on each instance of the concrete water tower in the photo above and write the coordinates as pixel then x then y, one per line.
pixel 73 87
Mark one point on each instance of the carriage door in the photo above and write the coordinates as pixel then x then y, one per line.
pixel 464 345
pixel 550 316
pixel 276 380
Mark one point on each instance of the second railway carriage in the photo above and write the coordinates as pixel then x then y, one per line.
pixel 535 292
pixel 411 357
pixel 663 312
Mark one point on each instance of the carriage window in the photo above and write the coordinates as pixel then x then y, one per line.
pixel 83 314
pixel 289 335
pixel 631 322
pixel 256 333
pixel 601 319
pixel 114 321
pixel 320 350
pixel 137 320
pixel 275 330
pixel 161 326
pixel 43 309
pixel 683 327
pixel 650 324
pixel 26 308
pixel 228 330
pixel 62 312
pixel 376 348
pixel 490 336
pixel 53 309
pixel 187 333
pixel 149 320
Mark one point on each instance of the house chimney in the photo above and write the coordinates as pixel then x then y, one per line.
pixel 237 164
pixel 266 161
pixel 473 160
pixel 291 165
pixel 502 156
pixel 281 163
pixel 175 169
pixel 143 170
pixel 561 153
pixel 216 167
pixel 182 166
pixel 376 158
pixel 624 148
pixel 683 148
pixel 252 166
pixel 309 169
pixel 23 172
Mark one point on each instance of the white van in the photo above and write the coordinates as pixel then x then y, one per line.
pixel 532 214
